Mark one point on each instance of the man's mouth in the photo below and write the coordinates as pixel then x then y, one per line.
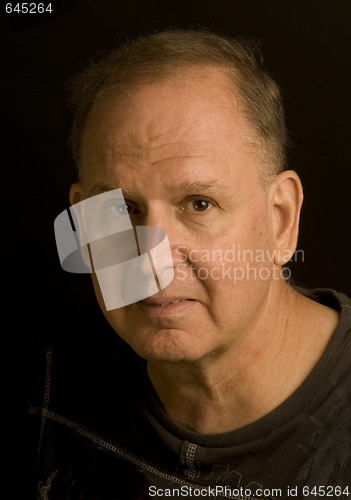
pixel 169 305
pixel 164 301
pixel 172 302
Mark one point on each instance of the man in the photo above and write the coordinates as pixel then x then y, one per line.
pixel 228 381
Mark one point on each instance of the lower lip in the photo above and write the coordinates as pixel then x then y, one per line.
pixel 169 310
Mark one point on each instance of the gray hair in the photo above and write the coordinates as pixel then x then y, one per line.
pixel 153 57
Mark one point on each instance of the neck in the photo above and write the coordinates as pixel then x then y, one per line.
pixel 226 391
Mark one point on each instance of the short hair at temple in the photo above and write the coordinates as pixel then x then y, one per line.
pixel 158 56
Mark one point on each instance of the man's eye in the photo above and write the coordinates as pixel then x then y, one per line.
pixel 117 208
pixel 198 205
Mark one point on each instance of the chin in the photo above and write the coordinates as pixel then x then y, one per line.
pixel 162 344
pixel 167 346
pixel 168 354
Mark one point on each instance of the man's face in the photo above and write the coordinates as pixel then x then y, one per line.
pixel 182 153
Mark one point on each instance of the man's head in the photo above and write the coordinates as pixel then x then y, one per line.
pixel 181 146
pixel 162 56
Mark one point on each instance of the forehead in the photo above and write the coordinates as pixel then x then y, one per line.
pixel 193 115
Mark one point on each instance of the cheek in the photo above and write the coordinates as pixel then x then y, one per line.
pixel 114 316
pixel 236 264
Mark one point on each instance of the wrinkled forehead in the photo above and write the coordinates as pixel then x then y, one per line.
pixel 184 109
pixel 172 119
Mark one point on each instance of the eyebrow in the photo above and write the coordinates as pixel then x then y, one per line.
pixel 191 186
pixel 200 188
pixel 99 188
pixel 187 186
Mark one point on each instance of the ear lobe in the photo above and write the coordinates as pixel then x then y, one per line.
pixel 287 197
pixel 75 193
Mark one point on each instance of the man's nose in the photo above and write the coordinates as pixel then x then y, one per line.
pixel 161 218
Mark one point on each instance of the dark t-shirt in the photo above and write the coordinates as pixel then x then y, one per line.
pixel 103 433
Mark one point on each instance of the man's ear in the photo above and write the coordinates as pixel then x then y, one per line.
pixel 75 196
pixel 286 201
pixel 76 193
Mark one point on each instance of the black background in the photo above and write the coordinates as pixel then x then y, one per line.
pixel 307 48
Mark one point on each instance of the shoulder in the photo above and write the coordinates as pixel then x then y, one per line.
pixel 328 297
pixel 342 304
pixel 331 300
